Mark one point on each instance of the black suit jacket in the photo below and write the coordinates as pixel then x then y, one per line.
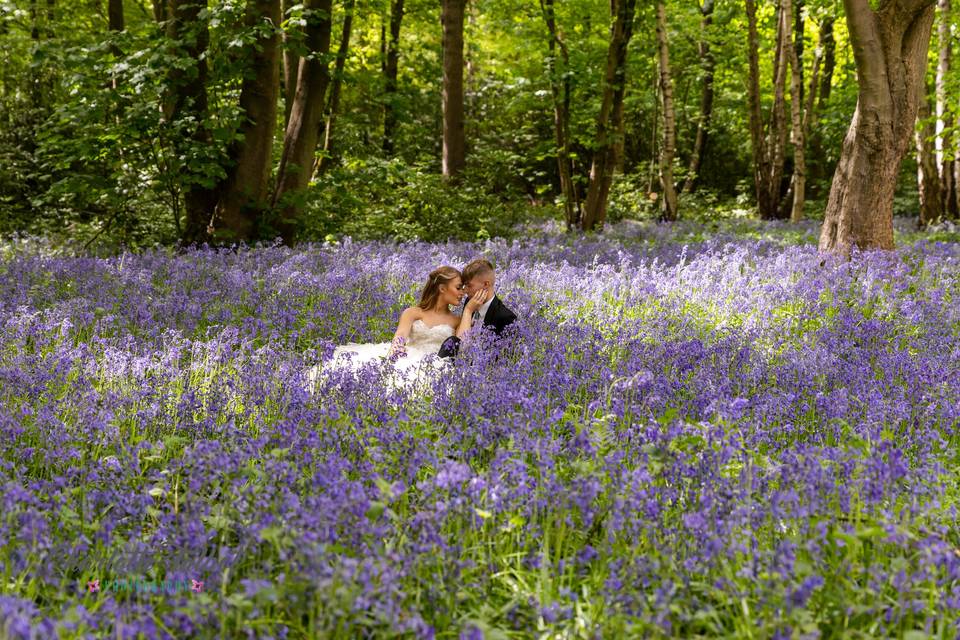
pixel 498 316
pixel 497 319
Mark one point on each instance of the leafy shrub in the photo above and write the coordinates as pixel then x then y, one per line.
pixel 387 199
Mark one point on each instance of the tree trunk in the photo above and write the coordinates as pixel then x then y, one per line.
pixel 928 179
pixel 115 24
pixel 827 49
pixel 707 65
pixel 777 135
pixel 159 10
pixel 560 90
pixel 796 98
pixel 799 11
pixel 945 139
pixel 291 62
pixel 333 104
pixel 115 15
pixel 829 45
pixel 300 138
pixel 669 202
pixel 890 48
pixel 244 197
pixel 769 148
pixel 610 119
pixel 186 101
pixel 391 70
pixel 956 183
pixel 454 142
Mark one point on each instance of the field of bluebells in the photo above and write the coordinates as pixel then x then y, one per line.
pixel 687 434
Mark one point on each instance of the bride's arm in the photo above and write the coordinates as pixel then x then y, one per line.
pixel 466 318
pixel 402 334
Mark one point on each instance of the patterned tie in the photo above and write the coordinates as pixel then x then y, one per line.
pixel 476 315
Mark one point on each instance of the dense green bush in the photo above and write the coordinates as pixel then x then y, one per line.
pixel 376 198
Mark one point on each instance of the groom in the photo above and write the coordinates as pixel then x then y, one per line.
pixel 493 314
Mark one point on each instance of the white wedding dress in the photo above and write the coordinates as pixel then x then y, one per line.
pixel 421 349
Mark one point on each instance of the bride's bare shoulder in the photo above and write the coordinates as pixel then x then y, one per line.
pixel 412 313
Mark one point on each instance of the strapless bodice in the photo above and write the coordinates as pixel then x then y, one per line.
pixel 423 337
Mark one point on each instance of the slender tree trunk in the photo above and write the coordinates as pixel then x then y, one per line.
pixel 769 147
pixel 291 62
pixel 928 178
pixel 757 141
pixel 890 48
pixel 777 136
pixel 159 10
pixel 829 45
pixel 245 195
pixel 115 15
pixel 300 139
pixel 827 48
pixel 799 44
pixel 669 202
pixel 454 141
pixel 560 90
pixel 796 98
pixel 610 119
pixel 333 104
pixel 51 18
pixel 186 101
pixel 36 83
pixel 115 24
pixel 391 70
pixel 707 66
pixel 948 185
pixel 956 183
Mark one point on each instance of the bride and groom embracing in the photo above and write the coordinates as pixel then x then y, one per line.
pixel 431 330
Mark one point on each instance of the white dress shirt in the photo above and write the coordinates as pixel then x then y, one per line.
pixel 484 308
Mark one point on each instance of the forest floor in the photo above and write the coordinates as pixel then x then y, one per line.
pixel 705 429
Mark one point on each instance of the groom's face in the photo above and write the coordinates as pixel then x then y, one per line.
pixel 482 281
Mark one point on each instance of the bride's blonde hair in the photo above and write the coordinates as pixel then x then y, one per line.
pixel 431 291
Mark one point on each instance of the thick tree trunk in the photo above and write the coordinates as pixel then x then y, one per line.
pixel 291 62
pixel 333 104
pixel 300 138
pixel 707 66
pixel 928 178
pixel 245 197
pixel 945 139
pixel 454 141
pixel 610 119
pixel 560 90
pixel 391 70
pixel 186 100
pixel 669 202
pixel 890 48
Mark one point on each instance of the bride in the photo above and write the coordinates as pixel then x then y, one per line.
pixel 421 330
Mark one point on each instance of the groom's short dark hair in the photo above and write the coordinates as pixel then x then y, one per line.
pixel 478 267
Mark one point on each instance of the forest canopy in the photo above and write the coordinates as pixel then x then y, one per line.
pixel 133 122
